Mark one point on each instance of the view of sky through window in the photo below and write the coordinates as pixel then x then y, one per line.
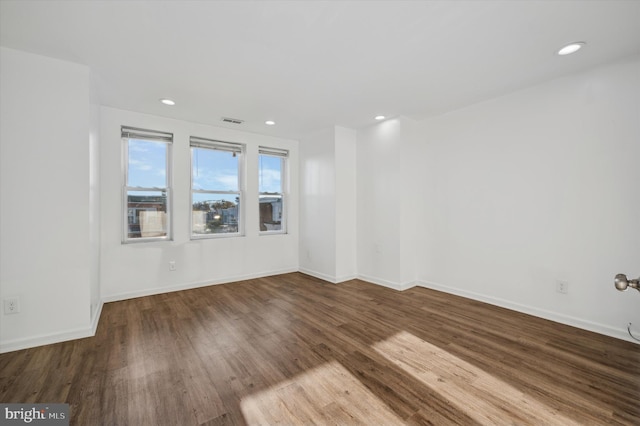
pixel 147 164
pixel 214 170
pixel 270 176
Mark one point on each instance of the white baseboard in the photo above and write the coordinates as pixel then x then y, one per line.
pixel 48 339
pixel 96 318
pixel 45 339
pixel 346 278
pixel 621 334
pixel 326 277
pixel 389 284
pixel 367 278
pixel 319 275
pixel 188 286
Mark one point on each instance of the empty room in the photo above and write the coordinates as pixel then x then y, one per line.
pixel 319 212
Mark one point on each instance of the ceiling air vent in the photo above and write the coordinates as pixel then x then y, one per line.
pixel 232 120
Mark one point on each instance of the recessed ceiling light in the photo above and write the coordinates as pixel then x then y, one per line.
pixel 571 48
pixel 167 101
pixel 270 123
pixel 379 117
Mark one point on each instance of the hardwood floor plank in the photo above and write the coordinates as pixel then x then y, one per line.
pixel 293 349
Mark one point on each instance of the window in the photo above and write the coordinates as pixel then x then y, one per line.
pixel 147 190
pixel 216 188
pixel 271 184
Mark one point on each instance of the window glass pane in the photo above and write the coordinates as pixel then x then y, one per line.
pixel 214 170
pixel 215 213
pixel 147 164
pixel 270 212
pixel 270 174
pixel 146 214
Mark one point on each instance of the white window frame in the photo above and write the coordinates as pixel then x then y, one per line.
pixel 239 149
pixel 128 133
pixel 283 154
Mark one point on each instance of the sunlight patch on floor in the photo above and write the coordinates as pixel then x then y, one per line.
pixel 328 392
pixel 470 389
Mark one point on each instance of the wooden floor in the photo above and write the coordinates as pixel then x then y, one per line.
pixel 292 349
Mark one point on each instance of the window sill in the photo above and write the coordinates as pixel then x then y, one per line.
pixel 215 236
pixel 147 240
pixel 273 233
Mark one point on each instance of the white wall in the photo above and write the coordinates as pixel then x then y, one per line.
pixel 129 270
pixel 346 203
pixel 94 211
pixel 318 205
pixel 411 169
pixel 385 216
pixel 44 198
pixel 534 187
pixel 328 204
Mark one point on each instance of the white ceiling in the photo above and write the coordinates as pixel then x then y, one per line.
pixel 310 65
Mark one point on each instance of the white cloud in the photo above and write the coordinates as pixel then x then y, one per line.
pixel 227 181
pixel 140 165
pixel 223 180
pixel 270 180
pixel 136 147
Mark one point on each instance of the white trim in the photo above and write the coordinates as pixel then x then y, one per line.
pixel 51 338
pixel 318 275
pixel 336 280
pixel 345 278
pixel 385 283
pixel 96 318
pixel 45 339
pixel 188 286
pixel 621 334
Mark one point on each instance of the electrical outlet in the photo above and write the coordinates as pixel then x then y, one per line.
pixel 562 286
pixel 11 305
pixel 172 265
